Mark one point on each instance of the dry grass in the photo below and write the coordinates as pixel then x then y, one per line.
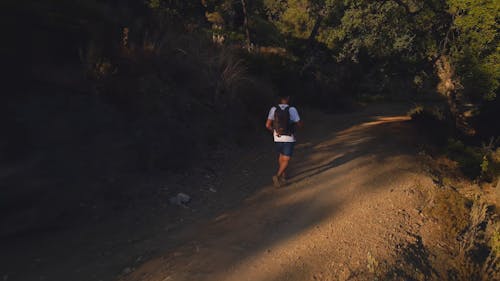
pixel 461 240
pixel 475 260
pixel 449 208
pixel 466 238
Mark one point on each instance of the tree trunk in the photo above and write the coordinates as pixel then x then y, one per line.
pixel 314 31
pixel 448 86
pixel 311 43
pixel 245 23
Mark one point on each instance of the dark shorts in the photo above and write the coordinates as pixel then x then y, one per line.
pixel 285 148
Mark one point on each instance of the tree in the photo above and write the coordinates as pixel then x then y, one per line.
pixel 245 24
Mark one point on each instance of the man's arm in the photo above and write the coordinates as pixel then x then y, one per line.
pixel 299 124
pixel 294 115
pixel 269 124
pixel 270 118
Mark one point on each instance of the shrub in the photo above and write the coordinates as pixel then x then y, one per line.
pixel 432 122
pixel 490 165
pixel 470 159
pixel 495 241
pixel 485 119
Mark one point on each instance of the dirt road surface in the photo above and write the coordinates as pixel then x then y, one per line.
pixel 352 204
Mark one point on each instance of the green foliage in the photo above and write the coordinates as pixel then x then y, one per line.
pixel 470 159
pixel 334 50
pixel 476 162
pixel 476 22
pixel 296 21
pixel 378 29
pixel 484 165
pixel 177 11
pixel 495 241
pixel 274 9
pixel 432 122
pixel 265 33
pixel 476 49
pixel 490 166
pixel 390 42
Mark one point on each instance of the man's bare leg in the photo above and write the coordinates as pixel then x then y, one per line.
pixel 278 179
pixel 283 162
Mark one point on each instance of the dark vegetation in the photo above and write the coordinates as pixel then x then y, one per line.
pixel 98 88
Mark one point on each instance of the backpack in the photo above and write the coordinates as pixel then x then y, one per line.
pixel 282 124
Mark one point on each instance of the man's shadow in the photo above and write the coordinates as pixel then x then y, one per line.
pixel 316 170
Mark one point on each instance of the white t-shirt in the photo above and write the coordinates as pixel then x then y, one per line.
pixel 294 116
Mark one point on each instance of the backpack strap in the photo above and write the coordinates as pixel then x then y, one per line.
pixel 278 107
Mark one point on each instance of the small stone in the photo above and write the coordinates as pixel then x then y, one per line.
pixel 212 189
pixel 180 199
pixel 127 270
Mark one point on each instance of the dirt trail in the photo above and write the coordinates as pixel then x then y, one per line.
pixel 352 207
pixel 352 204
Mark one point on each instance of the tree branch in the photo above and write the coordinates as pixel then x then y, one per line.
pixel 407 8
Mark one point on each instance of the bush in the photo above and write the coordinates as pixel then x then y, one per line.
pixel 495 241
pixel 432 122
pixel 470 159
pixel 185 97
pixel 485 119
pixel 490 165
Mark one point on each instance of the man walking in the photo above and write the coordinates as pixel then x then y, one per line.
pixel 283 120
